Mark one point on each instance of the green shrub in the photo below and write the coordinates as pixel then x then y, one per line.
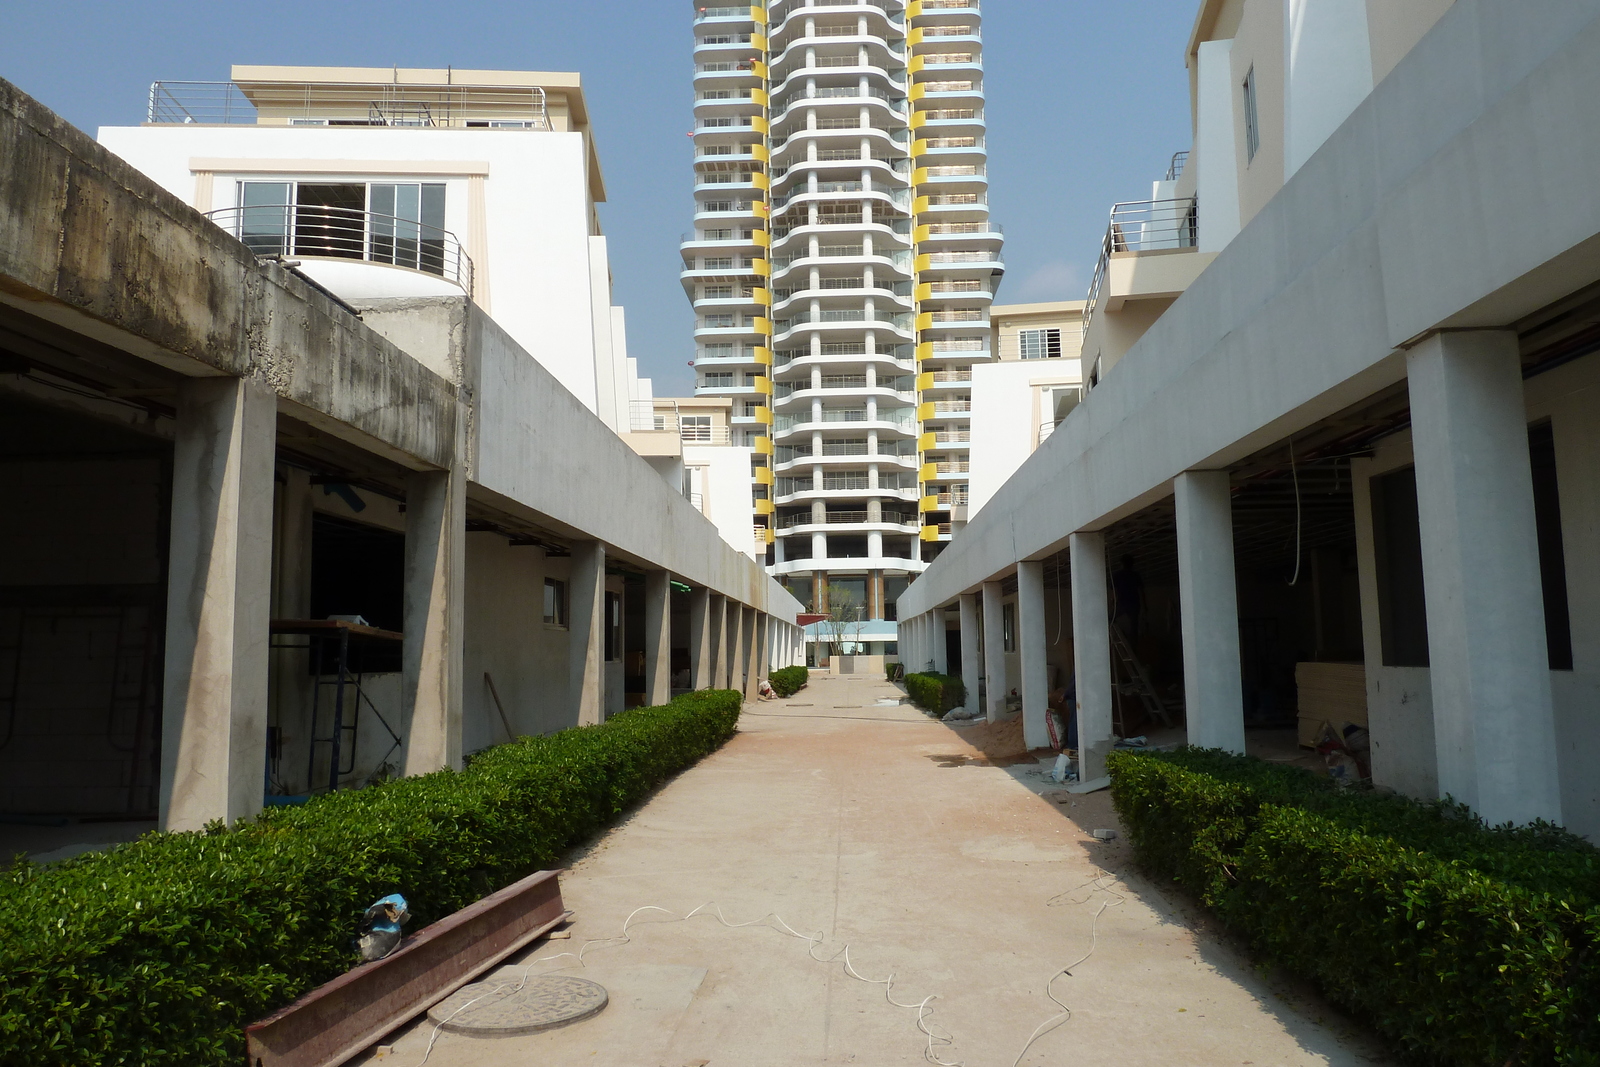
pixel 894 671
pixel 936 692
pixel 787 681
pixel 1464 944
pixel 160 951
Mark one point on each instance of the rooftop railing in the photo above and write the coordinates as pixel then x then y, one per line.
pixel 1142 226
pixel 316 231
pixel 333 104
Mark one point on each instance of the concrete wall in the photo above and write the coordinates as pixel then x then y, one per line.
pixel 1007 413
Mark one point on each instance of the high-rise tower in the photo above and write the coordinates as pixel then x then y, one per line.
pixel 841 270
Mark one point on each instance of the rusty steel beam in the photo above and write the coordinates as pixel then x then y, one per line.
pixel 336 1021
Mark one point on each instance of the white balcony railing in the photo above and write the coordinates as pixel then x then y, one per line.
pixel 1143 226
pixel 317 231
pixel 319 104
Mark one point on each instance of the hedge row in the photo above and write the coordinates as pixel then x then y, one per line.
pixel 159 952
pixel 936 692
pixel 787 681
pixel 1462 943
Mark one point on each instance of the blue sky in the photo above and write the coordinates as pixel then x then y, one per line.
pixel 1086 101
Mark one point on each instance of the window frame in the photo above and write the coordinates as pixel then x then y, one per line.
pixel 1047 340
pixel 558 588
pixel 1252 116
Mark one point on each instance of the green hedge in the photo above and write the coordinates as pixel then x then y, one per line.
pixel 787 681
pixel 1464 944
pixel 159 952
pixel 936 692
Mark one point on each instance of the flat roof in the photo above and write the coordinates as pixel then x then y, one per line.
pixel 1049 307
pixel 569 82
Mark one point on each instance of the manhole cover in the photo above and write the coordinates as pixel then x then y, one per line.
pixel 500 1009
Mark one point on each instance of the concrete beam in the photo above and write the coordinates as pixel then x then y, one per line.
pixel 219 588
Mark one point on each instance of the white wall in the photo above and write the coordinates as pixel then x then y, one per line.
pixel 725 489
pixel 1217 179
pixel 1006 419
pixel 535 277
pixel 1328 71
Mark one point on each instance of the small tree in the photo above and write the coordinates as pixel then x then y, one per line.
pixel 846 616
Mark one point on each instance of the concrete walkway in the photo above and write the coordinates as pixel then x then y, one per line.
pixel 852 821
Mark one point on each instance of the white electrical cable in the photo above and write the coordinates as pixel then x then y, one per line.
pixel 1294 472
pixel 941 1039
pixel 1100 886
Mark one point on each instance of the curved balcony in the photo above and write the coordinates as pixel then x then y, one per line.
pixel 832 322
pixel 793 365
pixel 788 426
pixel 801 398
pixel 790 30
pixel 897 196
pixel 844 96
pixel 783 145
pixel 830 229
pixel 846 256
pixel 847 564
pixel 355 254
pixel 895 498
pixel 892 301
pixel 793 179
pixel 892 74
pixel 730 15
pixel 848 459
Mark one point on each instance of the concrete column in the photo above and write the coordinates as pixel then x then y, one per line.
pixel 994 655
pixel 1212 688
pixel 736 646
pixel 219 596
pixel 716 633
pixel 586 680
pixel 1494 728
pixel 971 643
pixel 435 582
pixel 1091 650
pixel 750 642
pixel 700 638
pixel 1031 647
pixel 657 637
pixel 764 643
pixel 936 635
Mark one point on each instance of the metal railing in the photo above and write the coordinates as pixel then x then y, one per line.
pixel 316 231
pixel 332 104
pixel 644 416
pixel 1175 168
pixel 1142 226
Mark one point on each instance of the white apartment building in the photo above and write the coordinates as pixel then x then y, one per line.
pixel 841 270
pixel 480 183
pixel 689 440
pixel 1020 397
pixel 1342 421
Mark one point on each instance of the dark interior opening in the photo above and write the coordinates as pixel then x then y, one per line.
pixel 1552 556
pixel 1397 545
pixel 330 220
pixel 358 569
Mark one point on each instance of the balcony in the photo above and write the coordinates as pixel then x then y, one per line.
pixel 1150 251
pixel 355 254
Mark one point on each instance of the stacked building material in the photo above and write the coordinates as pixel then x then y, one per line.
pixel 1333 694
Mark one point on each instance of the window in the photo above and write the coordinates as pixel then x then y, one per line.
pixel 1008 627
pixel 695 427
pixel 717 292
pixel 1252 122
pixel 383 222
pixel 718 322
pixel 613 627
pixel 717 263
pixel 752 408
pixel 717 381
pixel 1039 344
pixel 555 602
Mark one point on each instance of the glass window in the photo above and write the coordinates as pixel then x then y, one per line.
pixel 264 217
pixel 695 427
pixel 555 602
pixel 1039 344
